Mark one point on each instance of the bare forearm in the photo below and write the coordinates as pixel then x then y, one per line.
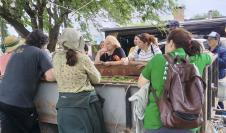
pixel 137 62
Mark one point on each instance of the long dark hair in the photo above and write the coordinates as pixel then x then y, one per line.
pixel 37 38
pixel 71 57
pixel 182 39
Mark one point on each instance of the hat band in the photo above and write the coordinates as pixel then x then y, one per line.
pixel 13 43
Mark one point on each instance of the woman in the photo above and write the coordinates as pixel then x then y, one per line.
pixel 28 64
pixel 78 107
pixel 10 44
pixel 135 41
pixel 111 53
pixel 145 50
pixel 179 43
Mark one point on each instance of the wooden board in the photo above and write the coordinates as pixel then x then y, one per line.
pixel 122 70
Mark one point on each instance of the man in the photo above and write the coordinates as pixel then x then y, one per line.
pixel 217 48
pixel 26 67
pixel 172 24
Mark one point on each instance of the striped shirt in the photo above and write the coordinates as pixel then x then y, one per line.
pixel 142 55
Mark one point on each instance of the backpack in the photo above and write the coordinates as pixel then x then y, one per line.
pixel 182 100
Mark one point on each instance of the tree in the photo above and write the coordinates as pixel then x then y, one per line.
pixel 49 15
pixel 215 13
pixel 3 28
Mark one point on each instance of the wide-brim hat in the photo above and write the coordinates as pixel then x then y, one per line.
pixel 11 43
pixel 71 39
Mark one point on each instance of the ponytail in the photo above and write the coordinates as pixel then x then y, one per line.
pixel 71 57
pixel 145 37
pixel 151 39
pixel 194 48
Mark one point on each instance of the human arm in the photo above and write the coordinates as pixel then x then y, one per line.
pixel 142 81
pixel 145 76
pixel 92 73
pixel 210 57
pixel 101 52
pixel 222 59
pixel 46 67
pixel 49 75
pixel 118 57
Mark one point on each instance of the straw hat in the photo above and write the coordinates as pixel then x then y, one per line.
pixel 11 43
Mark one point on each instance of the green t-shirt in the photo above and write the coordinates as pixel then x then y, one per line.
pixel 154 71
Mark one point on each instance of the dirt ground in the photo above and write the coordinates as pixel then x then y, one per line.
pixel 217 125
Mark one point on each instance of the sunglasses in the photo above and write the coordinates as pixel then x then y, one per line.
pixel 211 38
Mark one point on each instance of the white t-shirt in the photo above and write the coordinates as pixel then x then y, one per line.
pixel 144 56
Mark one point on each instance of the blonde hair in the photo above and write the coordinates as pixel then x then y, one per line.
pixel 113 40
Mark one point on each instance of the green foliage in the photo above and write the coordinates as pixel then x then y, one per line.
pixel 3 28
pixel 215 13
pixel 35 12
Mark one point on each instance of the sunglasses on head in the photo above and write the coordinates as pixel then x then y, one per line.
pixel 140 35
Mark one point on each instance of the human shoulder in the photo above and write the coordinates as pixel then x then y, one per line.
pixel 32 48
pixel 83 58
pixel 202 58
pixel 157 59
pixel 119 49
pixel 222 49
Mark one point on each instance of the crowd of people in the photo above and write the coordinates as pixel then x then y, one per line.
pixel 26 63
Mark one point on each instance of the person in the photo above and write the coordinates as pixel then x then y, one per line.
pixel 146 49
pixel 217 48
pixel 26 67
pixel 172 25
pixel 10 43
pixel 101 44
pixel 111 53
pixel 179 43
pixel 78 107
pixel 135 41
pixel 86 48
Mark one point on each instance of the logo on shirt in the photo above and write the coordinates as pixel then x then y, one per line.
pixel 19 50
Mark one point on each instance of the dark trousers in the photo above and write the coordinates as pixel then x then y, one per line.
pixel 18 120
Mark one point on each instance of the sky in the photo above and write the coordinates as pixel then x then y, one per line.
pixel 193 7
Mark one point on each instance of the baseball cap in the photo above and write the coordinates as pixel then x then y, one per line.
pixel 214 34
pixel 172 23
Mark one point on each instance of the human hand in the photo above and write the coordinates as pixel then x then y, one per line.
pixel 108 63
pixel 140 66
pixel 103 50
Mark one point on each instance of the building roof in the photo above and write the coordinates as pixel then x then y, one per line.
pixel 195 26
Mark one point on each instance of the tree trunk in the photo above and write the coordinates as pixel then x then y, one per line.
pixel 22 31
pixel 53 35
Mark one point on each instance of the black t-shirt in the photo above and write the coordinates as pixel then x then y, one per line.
pixel 116 56
pixel 23 73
